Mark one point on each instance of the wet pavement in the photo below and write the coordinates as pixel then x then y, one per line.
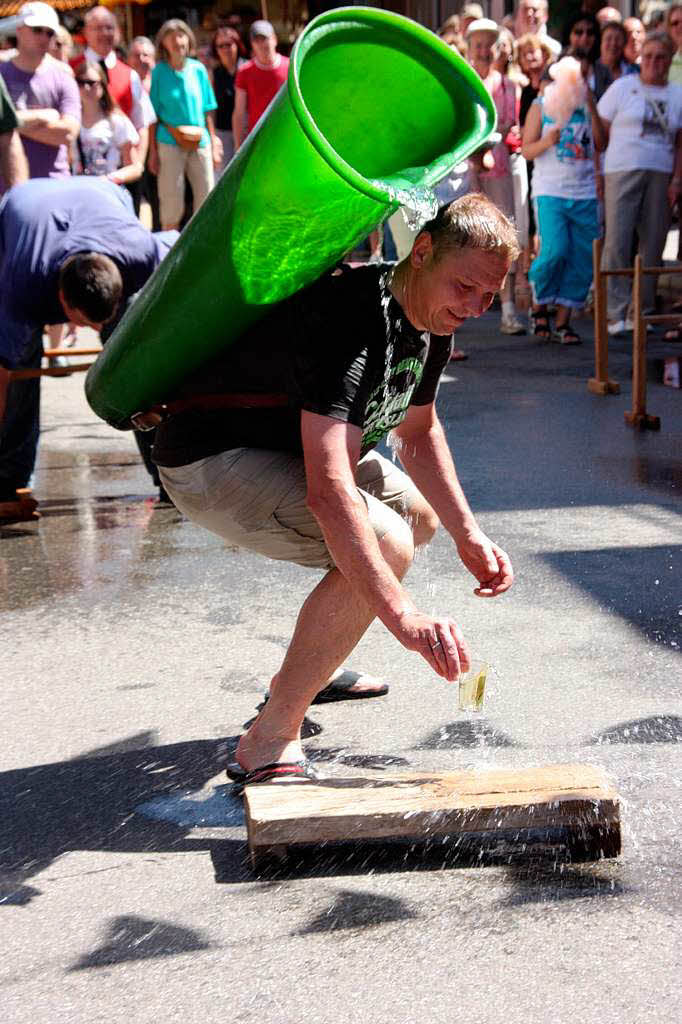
pixel 135 646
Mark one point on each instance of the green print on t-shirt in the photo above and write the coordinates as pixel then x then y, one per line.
pixel 388 404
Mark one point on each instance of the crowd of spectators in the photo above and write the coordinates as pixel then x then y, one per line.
pixel 609 166
pixel 164 118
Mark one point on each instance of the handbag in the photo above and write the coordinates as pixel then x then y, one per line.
pixel 187 136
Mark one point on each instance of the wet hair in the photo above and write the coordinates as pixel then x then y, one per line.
pixel 92 284
pixel 472 222
pixel 593 55
pixel 174 25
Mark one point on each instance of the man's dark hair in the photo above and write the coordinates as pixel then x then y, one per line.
pixel 92 284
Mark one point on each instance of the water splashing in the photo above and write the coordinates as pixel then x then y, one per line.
pixel 418 204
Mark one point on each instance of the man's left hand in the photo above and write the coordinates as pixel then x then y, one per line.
pixel 488 563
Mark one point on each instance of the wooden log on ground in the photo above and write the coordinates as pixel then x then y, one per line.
pixel 577 799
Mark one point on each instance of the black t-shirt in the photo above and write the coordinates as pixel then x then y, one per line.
pixel 223 87
pixel 341 348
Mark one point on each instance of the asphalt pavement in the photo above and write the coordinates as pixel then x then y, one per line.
pixel 135 646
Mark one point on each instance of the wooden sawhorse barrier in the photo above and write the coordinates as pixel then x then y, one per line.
pixel 600 383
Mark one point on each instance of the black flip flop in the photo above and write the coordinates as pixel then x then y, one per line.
pixel 341 689
pixel 274 772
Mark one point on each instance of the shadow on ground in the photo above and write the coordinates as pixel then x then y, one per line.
pixel 130 938
pixel 640 584
pixel 92 803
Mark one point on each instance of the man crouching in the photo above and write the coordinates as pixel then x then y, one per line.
pixel 272 447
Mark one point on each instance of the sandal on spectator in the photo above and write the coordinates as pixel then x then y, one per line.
pixel 565 335
pixel 458 355
pixel 674 334
pixel 541 328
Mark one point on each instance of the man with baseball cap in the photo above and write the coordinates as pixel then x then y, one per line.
pixel 258 81
pixel 45 96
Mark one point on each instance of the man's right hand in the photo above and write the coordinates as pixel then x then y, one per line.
pixel 438 639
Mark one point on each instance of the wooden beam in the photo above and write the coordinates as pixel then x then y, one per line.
pixel 423 805
pixel 51 353
pixel 600 383
pixel 638 417
pixel 49 371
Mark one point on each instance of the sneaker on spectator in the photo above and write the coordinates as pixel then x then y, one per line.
pixel 619 327
pixel 630 326
pixel 512 325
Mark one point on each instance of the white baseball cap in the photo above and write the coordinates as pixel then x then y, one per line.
pixel 483 25
pixel 38 15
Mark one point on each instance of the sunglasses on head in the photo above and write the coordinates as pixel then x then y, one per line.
pixel 39 30
pixel 88 83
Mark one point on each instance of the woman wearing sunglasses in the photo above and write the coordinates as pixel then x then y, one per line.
pixel 226 50
pixel 107 139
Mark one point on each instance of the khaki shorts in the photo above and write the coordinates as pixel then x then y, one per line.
pixel 256 499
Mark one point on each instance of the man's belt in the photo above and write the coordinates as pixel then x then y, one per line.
pixel 157 414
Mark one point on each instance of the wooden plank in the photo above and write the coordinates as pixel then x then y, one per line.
pixel 630 271
pixel 426 804
pixel 51 353
pixel 662 318
pixel 49 371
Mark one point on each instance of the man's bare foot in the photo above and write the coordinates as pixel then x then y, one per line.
pixel 260 745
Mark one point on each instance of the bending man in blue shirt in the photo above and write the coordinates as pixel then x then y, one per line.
pixel 70 249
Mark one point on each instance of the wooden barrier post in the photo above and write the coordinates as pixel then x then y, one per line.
pixel 600 383
pixel 638 417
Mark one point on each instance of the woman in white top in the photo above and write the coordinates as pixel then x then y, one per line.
pixel 565 196
pixel 107 139
pixel 641 116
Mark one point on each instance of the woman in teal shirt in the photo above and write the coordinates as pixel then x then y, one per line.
pixel 184 139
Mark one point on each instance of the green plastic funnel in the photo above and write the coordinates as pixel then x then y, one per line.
pixel 375 107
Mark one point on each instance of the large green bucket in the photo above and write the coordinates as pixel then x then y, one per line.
pixel 375 106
